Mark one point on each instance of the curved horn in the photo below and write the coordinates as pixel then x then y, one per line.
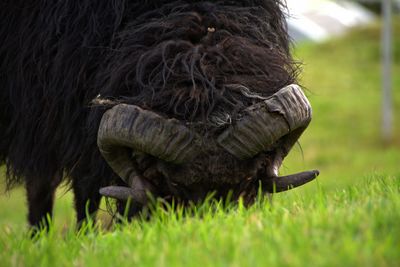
pixel 138 191
pixel 284 183
pixel 283 117
pixel 125 193
pixel 127 127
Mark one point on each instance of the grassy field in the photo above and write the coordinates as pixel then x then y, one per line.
pixel 349 217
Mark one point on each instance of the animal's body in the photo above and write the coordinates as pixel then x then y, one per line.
pixel 200 63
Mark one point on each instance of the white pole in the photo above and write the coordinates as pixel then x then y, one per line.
pixel 387 108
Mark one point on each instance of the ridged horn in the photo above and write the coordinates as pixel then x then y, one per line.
pixel 279 119
pixel 127 128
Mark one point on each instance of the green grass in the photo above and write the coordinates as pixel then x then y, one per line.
pixel 358 226
pixel 348 217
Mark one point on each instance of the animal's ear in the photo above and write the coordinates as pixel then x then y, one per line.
pixel 127 128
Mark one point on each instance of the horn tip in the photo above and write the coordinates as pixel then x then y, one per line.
pixel 316 173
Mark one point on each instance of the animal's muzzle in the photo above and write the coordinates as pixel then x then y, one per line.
pixel 272 125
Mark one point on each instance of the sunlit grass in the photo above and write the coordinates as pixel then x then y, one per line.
pixel 353 226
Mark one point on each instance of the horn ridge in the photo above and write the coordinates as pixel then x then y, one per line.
pixel 128 127
pixel 264 123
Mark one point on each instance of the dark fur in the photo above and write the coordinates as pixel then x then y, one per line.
pixel 56 57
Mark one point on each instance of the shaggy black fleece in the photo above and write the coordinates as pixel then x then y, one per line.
pixel 184 59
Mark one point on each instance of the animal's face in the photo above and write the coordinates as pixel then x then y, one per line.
pixel 207 102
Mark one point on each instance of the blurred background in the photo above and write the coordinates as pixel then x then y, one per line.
pixel 350 52
pixel 340 45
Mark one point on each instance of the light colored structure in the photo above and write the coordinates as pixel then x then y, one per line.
pixel 317 20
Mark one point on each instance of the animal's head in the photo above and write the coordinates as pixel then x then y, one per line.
pixel 208 100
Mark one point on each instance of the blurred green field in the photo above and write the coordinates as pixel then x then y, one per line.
pixel 350 216
pixel 344 139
